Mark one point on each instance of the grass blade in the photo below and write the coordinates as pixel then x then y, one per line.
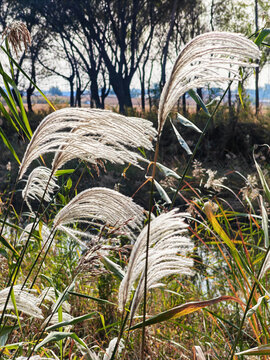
pixel 182 310
pixel 8 145
pixel 71 322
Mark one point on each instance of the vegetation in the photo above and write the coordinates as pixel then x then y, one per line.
pixel 92 274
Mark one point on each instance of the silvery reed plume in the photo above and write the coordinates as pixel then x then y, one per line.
pixel 38 182
pixel 25 302
pixel 106 206
pixel 88 134
pixel 208 58
pixel 168 247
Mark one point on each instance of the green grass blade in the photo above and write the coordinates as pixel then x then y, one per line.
pixel 71 322
pixel 262 35
pixel 101 301
pixel 113 267
pixel 64 172
pixel 195 96
pixel 264 223
pixel 182 310
pixel 8 117
pixel 162 193
pixel 12 296
pixel 28 78
pixel 181 140
pixel 8 145
pixel 262 178
pixel 184 121
pixel 57 336
pixel 260 350
pixel 8 80
pixel 8 245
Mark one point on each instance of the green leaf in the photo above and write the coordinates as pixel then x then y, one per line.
pixel 8 117
pixel 184 121
pixel 63 296
pixel 262 178
pixel 217 98
pixel 64 172
pixel 264 223
pixel 262 35
pixel 199 101
pixel 260 350
pixel 12 296
pixel 72 321
pixel 14 346
pixel 182 310
pixel 69 184
pixel 254 308
pixel 181 140
pixel 8 145
pixel 162 193
pixel 4 333
pixel 240 91
pixel 167 171
pixel 57 336
pixel 31 81
pixel 101 301
pixel 24 122
pixel 113 267
pixel 8 245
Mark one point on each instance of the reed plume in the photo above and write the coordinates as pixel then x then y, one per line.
pixel 25 302
pixel 208 58
pixel 100 206
pixel 88 134
pixel 168 248
pixel 38 181
pixel 17 34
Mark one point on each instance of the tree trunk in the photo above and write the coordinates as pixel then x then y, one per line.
pixel 78 101
pixel 166 47
pixel 199 91
pixel 29 93
pixel 122 91
pixel 71 96
pixel 184 104
pixel 94 92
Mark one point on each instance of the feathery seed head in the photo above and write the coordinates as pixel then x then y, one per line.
pixel 106 206
pixel 38 181
pixel 17 34
pixel 207 58
pixel 167 255
pixel 88 134
pixel 25 301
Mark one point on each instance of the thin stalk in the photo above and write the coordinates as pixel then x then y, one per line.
pixel 36 260
pixel 147 245
pixel 248 305
pixel 18 265
pixel 180 183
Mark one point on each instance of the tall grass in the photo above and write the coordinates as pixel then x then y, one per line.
pixel 79 268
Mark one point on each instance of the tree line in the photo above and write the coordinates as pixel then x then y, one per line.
pixel 104 43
